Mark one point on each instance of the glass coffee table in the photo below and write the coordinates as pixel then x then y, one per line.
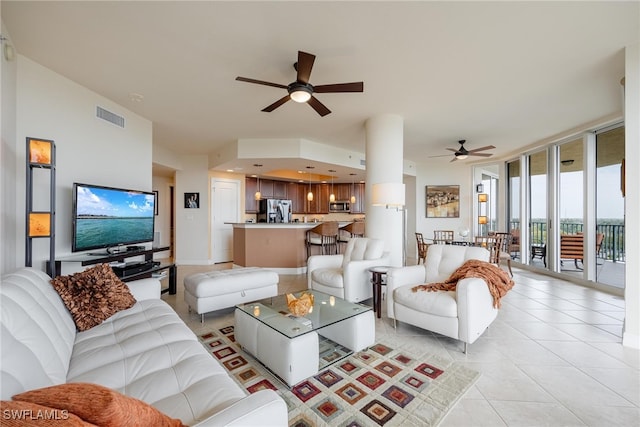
pixel 294 348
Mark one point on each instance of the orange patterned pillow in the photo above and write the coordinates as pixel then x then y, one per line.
pixel 99 405
pixel 93 295
pixel 19 414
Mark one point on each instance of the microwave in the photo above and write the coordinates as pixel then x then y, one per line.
pixel 339 206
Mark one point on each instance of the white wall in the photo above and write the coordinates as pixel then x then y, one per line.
pixel 89 150
pixel 442 172
pixel 192 225
pixel 9 258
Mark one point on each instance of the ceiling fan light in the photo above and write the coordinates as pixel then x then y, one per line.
pixel 461 156
pixel 300 95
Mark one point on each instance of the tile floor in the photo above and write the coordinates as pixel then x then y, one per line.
pixel 552 357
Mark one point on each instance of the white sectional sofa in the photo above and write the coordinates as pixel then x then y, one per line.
pixel 145 352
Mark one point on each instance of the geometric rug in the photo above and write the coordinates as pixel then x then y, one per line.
pixel 380 386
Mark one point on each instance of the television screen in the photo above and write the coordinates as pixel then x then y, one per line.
pixel 105 217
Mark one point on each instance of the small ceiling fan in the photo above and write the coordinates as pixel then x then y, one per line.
pixel 462 153
pixel 301 90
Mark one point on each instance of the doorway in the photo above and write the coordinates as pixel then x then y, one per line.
pixel 225 210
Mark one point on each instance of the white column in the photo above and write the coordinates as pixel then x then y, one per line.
pixel 384 156
pixel 631 333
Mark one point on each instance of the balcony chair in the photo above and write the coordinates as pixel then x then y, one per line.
pixel 463 314
pixel 324 235
pixel 422 247
pixel 514 248
pixel 442 237
pixel 572 247
pixel 346 275
pixel 501 250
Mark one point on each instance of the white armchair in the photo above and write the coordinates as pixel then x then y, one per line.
pixel 463 314
pixel 346 275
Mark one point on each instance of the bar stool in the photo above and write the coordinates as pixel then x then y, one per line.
pixel 324 235
pixel 349 231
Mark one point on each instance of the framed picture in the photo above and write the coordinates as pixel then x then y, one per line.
pixel 443 201
pixel 155 201
pixel 191 200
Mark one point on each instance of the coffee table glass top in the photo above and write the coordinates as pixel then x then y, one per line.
pixel 326 311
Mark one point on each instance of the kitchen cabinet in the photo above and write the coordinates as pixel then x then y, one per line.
pixel 296 193
pixel 359 206
pixel 250 188
pixel 342 192
pixel 280 190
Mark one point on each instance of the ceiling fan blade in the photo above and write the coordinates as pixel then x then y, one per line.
pixel 441 155
pixel 340 87
pixel 481 154
pixel 488 147
pixel 455 159
pixel 276 104
pixel 452 149
pixel 318 106
pixel 304 66
pixel 260 82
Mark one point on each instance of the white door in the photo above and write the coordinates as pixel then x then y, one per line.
pixel 225 209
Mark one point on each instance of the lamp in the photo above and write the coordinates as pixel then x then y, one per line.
pixel 482 220
pixel 482 197
pixel 310 193
pixel 258 194
pixel 39 224
pixel 299 92
pixel 353 189
pixel 332 196
pixel 391 195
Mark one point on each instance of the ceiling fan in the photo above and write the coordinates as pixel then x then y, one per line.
pixel 462 153
pixel 301 90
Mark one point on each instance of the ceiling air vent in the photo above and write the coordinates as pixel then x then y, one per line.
pixel 103 114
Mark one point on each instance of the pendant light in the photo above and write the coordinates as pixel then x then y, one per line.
pixel 258 194
pixel 332 196
pixel 310 193
pixel 353 189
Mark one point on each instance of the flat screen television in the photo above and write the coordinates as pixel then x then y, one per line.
pixel 106 217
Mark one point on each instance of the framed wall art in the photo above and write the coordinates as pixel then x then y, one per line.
pixel 191 200
pixel 443 201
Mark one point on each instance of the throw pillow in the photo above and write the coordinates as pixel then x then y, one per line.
pixel 93 295
pixel 20 414
pixel 99 405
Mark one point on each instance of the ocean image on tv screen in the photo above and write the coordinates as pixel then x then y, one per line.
pixel 108 217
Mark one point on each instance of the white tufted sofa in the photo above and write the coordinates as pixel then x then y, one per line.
pixel 463 314
pixel 145 352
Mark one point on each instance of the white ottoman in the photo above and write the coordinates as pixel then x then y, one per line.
pixel 215 290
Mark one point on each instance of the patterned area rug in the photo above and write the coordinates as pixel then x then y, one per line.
pixel 381 386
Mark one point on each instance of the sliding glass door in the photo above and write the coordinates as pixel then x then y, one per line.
pixel 538 219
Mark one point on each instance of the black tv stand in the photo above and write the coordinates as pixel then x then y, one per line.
pixel 150 266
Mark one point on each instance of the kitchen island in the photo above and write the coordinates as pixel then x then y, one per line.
pixel 277 246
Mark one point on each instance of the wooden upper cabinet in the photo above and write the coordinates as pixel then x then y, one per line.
pixel 266 188
pixel 342 192
pixel 359 206
pixel 280 190
pixel 297 193
pixel 250 188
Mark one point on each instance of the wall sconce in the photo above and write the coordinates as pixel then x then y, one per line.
pixel 482 208
pixel 39 224
pixel 479 188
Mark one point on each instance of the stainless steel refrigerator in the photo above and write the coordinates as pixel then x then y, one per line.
pixel 274 210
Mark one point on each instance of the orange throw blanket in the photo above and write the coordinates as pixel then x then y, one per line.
pixel 497 279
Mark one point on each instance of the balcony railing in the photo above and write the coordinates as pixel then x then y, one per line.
pixel 612 248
